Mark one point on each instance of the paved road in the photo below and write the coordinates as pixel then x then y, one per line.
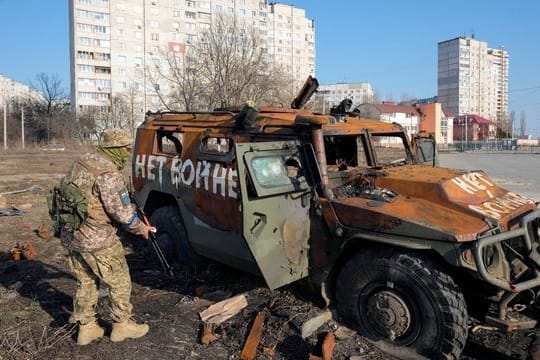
pixel 517 172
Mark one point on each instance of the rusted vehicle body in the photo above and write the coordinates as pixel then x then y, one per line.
pixel 399 245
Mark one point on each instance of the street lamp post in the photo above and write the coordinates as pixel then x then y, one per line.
pixel 466 133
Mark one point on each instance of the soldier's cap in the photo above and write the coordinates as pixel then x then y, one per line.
pixel 114 137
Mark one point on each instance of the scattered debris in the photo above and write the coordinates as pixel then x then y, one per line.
pixel 34 188
pixel 223 310
pixel 254 338
pixel 483 327
pixel 43 232
pixel 269 351
pixel 208 334
pixel 12 211
pixel 311 325
pixel 344 333
pixel 27 251
pixel 327 347
pixel 16 253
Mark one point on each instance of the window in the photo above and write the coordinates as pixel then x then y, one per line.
pixel 216 145
pixel 154 24
pixel 155 36
pixel 85 41
pixel 84 27
pixel 276 171
pixel 191 15
pixel 170 142
pixel 121 58
pixel 177 13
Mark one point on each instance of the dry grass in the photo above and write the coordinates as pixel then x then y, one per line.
pixel 28 343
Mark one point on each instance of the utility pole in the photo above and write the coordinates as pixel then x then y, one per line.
pixel 466 133
pixel 22 126
pixel 5 125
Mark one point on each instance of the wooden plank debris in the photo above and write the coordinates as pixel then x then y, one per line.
pixel 223 310
pixel 254 338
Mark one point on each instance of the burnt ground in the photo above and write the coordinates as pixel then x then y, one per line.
pixel 35 295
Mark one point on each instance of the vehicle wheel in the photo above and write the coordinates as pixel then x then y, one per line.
pixel 406 301
pixel 171 235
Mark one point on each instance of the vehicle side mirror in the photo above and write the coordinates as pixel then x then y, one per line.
pixel 425 149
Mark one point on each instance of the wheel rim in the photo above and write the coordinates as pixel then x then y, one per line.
pixel 387 313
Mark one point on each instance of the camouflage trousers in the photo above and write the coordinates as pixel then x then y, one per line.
pixel 91 268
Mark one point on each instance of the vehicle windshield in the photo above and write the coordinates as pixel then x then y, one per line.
pixel 347 152
pixel 389 150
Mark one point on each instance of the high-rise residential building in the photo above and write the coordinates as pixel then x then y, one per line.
pixel 114 42
pixel 13 91
pixel 472 78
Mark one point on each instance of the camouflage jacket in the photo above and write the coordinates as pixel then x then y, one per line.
pixel 109 205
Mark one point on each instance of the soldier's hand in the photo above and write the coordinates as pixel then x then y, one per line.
pixel 146 232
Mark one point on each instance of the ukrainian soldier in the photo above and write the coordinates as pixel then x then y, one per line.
pixel 96 254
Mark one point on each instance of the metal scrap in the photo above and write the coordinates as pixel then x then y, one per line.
pixel 12 211
pixel 32 188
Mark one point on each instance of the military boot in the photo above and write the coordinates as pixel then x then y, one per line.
pixel 89 332
pixel 128 330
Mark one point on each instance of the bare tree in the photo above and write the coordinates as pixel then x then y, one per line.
pixel 226 67
pixel 50 116
pixel 522 124
pixel 509 126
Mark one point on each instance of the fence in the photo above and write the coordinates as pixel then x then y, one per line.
pixel 486 145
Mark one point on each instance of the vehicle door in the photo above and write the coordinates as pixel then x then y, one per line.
pixel 276 196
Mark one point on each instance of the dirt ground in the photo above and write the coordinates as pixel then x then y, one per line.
pixel 35 295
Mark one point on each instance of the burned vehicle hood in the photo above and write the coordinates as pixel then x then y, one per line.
pixel 432 203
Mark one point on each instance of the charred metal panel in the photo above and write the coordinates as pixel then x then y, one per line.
pixel 276 224
pixel 416 218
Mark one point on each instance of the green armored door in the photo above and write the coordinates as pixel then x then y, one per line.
pixel 276 198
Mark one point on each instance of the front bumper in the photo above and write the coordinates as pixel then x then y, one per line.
pixel 525 232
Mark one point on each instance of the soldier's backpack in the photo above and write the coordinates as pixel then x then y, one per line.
pixel 68 205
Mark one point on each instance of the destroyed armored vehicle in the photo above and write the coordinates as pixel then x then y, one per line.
pixel 402 248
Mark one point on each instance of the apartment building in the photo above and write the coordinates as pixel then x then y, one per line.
pixel 472 78
pixel 332 94
pixel 115 42
pixel 12 91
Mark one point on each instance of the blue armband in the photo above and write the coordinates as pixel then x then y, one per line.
pixel 130 221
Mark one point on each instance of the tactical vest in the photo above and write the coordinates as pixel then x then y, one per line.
pixel 97 232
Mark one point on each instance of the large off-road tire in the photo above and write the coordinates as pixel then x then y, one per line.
pixel 171 235
pixel 406 301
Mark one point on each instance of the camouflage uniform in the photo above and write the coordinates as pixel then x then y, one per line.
pixel 95 251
